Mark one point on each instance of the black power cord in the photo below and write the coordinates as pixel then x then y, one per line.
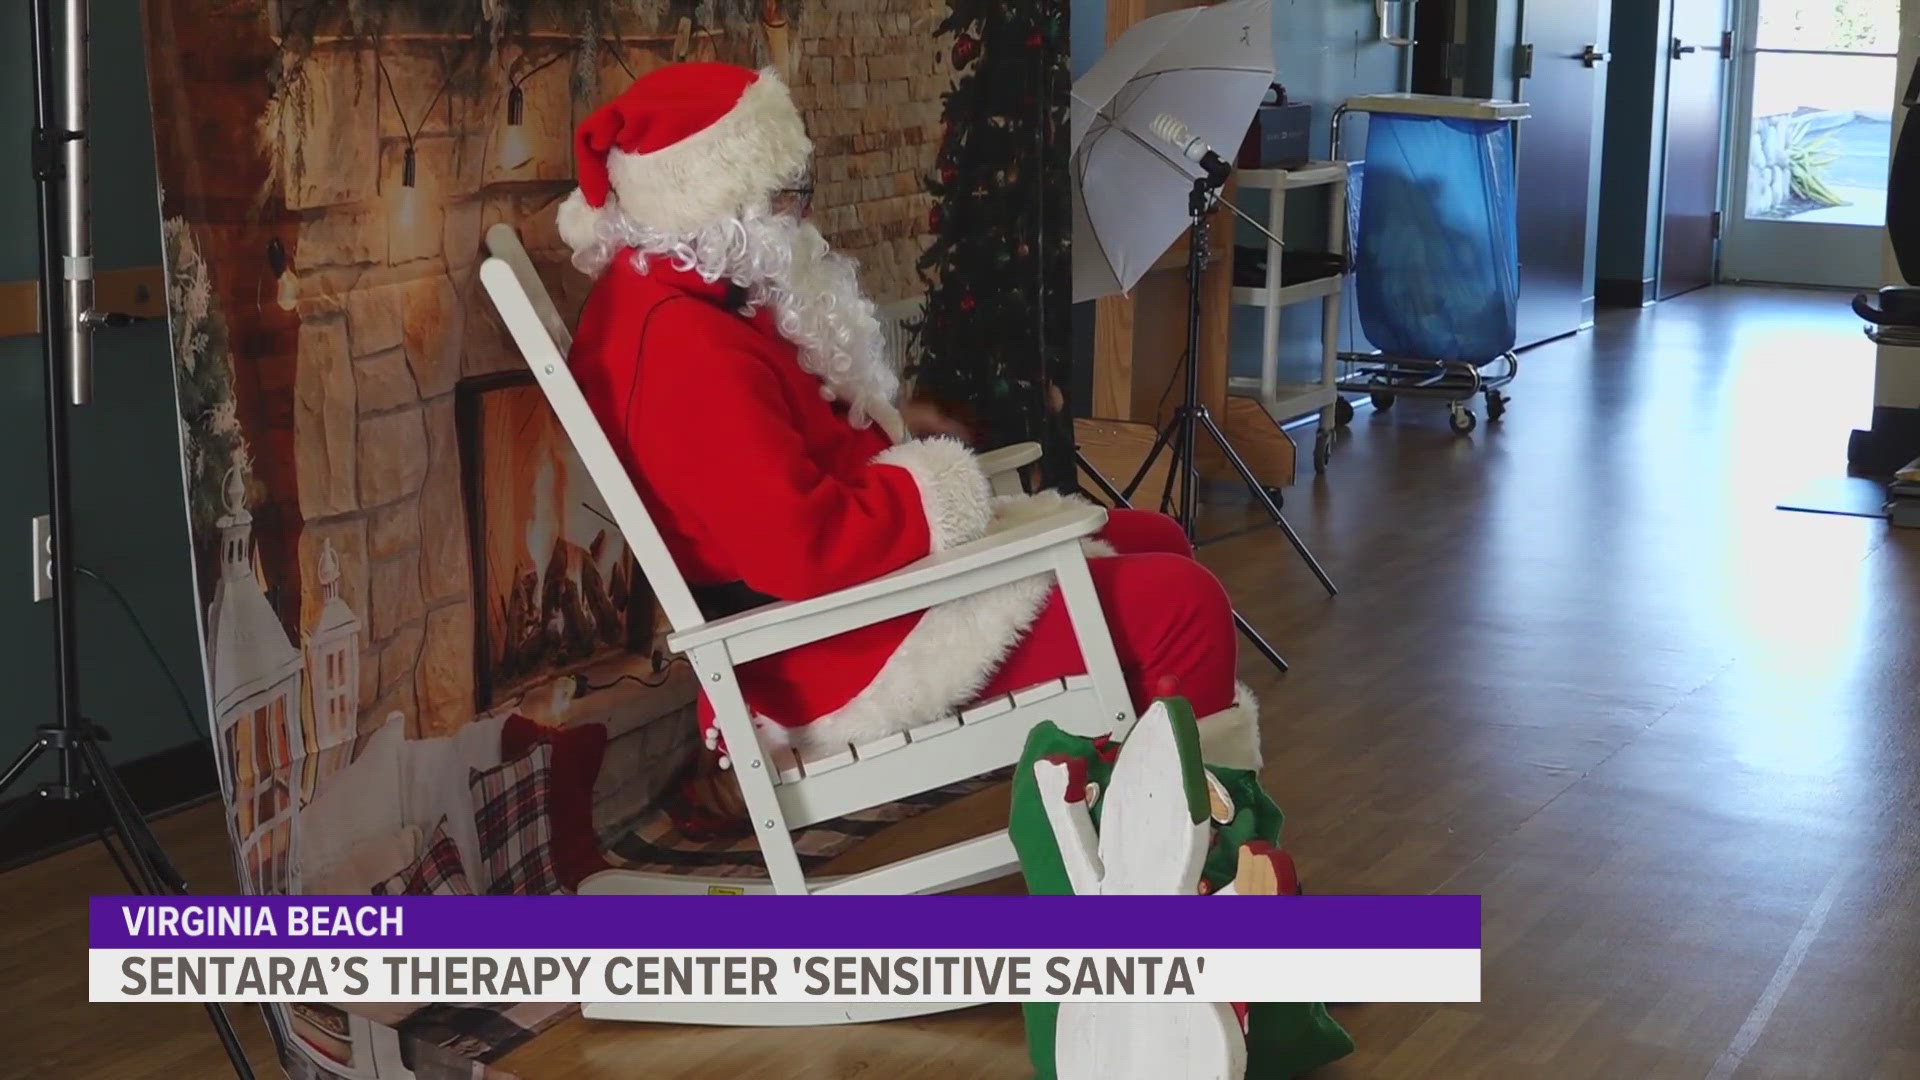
pixel 582 687
pixel 179 692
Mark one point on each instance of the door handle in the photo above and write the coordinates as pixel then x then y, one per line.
pixel 1679 49
pixel 1592 55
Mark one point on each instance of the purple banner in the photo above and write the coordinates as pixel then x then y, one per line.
pixel 671 923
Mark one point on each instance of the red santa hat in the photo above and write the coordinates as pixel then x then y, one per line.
pixel 684 145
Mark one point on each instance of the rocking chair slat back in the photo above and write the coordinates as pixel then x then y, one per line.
pixel 543 353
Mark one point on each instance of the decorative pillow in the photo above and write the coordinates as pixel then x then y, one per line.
pixel 372 859
pixel 577 754
pixel 516 839
pixel 340 817
pixel 433 784
pixel 437 872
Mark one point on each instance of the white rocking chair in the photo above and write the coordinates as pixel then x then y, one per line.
pixel 784 793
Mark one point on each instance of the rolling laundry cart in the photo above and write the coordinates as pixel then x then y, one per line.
pixel 1435 259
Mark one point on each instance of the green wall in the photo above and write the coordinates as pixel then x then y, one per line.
pixel 131 523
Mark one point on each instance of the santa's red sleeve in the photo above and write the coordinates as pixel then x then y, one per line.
pixel 718 441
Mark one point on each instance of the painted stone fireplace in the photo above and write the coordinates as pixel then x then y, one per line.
pixel 559 593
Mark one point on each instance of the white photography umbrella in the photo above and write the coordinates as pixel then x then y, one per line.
pixel 1202 69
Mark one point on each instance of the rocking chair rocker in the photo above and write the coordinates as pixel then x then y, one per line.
pixel 781 791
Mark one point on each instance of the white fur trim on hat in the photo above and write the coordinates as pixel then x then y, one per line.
pixel 759 144
pixel 954 492
pixel 578 222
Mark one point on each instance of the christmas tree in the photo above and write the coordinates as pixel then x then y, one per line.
pixel 993 338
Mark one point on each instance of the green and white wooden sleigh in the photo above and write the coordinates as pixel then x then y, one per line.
pixel 1091 817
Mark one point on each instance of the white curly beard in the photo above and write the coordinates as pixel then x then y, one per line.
pixel 785 264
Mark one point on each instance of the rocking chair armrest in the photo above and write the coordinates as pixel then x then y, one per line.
pixel 1008 458
pixel 1019 552
pixel 1003 466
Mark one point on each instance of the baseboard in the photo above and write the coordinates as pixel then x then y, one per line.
pixel 160 783
pixel 1623 292
pixel 1893 441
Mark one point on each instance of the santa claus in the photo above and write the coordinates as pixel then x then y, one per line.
pixel 735 365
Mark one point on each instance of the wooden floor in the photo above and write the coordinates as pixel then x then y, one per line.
pixel 1580 666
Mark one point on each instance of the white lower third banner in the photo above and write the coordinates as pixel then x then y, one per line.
pixel 784 976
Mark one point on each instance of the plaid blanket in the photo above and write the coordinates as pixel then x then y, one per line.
pixel 654 845
pixel 488 1033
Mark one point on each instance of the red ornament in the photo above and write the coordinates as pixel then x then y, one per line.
pixel 948 173
pixel 965 48
pixel 966 302
pixel 1034 40
pixel 934 217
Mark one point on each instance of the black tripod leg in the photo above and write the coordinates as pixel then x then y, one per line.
pixel 146 869
pixel 229 1040
pixel 1111 493
pixel 1260 493
pixel 1175 469
pixel 1253 636
pixel 1153 455
pixel 1259 643
pixel 156 874
pixel 21 764
pixel 112 848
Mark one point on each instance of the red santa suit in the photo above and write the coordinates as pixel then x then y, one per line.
pixel 773 474
pixel 753 476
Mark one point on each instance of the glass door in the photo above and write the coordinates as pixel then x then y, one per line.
pixel 1813 131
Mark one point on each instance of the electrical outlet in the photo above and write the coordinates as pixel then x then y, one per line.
pixel 42 558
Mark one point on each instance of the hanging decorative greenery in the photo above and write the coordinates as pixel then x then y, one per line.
pixel 994 333
pixel 212 435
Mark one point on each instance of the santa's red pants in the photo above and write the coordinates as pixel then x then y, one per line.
pixel 1171 622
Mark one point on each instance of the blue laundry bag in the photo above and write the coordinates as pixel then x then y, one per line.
pixel 1436 263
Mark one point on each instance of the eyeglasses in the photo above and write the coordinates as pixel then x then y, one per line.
pixel 797 199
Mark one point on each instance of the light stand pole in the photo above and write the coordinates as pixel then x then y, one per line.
pixel 67 320
pixel 1193 414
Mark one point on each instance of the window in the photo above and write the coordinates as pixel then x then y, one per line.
pixel 259 738
pixel 271 800
pixel 241 738
pixel 277 731
pixel 232 769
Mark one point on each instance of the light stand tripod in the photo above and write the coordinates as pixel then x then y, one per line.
pixel 1193 414
pixel 67 320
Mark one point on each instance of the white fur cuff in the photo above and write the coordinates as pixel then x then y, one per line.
pixel 1230 738
pixel 1012 510
pixel 954 493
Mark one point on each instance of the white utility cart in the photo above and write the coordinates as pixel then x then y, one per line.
pixel 1455 380
pixel 1286 402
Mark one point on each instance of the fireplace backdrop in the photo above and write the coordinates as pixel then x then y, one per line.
pixel 559 592
pixel 406 581
pixel 399 563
